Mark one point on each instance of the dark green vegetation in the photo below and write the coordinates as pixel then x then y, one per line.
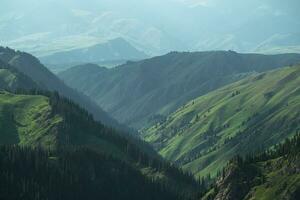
pixel 26 65
pixel 273 174
pixel 76 174
pixel 12 79
pixel 245 117
pixel 53 149
pixel 117 49
pixel 63 153
pixel 142 93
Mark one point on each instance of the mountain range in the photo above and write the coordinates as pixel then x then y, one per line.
pixel 113 50
pixel 142 93
pixel 149 100
pixel 254 26
pixel 229 128
pixel 67 154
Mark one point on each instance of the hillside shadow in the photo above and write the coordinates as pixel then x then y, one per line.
pixel 8 129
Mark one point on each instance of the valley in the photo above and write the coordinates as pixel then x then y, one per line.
pixel 149 100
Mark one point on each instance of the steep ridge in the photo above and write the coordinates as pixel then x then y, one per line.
pixel 270 175
pixel 247 116
pixel 145 92
pixel 26 120
pixel 53 131
pixel 12 79
pixel 32 68
pixel 116 49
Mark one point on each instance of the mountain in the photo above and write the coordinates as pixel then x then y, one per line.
pixel 58 68
pixel 68 155
pixel 280 43
pixel 12 79
pixel 31 67
pixel 156 27
pixel 116 49
pixel 245 117
pixel 142 93
pixel 273 174
pixel 57 141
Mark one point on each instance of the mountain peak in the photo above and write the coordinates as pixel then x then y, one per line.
pixel 113 50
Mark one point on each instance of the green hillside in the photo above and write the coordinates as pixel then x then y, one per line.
pixel 142 93
pixel 26 66
pixel 270 175
pixel 12 79
pixel 7 78
pixel 73 175
pixel 46 120
pixel 247 116
pixel 26 120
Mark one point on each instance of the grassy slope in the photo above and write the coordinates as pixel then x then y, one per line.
pixel 272 179
pixel 11 78
pixel 29 70
pixel 26 120
pixel 265 111
pixel 270 175
pixel 142 93
pixel 7 78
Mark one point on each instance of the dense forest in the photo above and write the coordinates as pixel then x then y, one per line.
pixel 77 173
pixel 73 166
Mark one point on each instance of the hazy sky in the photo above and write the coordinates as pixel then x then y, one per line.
pixel 155 26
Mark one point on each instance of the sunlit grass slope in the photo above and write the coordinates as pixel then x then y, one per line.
pixel 25 120
pixel 247 116
pixel 29 120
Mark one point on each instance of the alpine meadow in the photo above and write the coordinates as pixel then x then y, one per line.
pixel 149 100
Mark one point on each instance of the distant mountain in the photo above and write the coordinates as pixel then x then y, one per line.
pixel 58 68
pixel 280 43
pixel 143 93
pixel 154 26
pixel 117 49
pixel 245 117
pixel 68 155
pixel 29 66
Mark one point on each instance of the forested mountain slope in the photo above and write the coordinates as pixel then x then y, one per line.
pixel 61 147
pixel 30 66
pixel 12 79
pixel 145 92
pixel 270 175
pixel 247 116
